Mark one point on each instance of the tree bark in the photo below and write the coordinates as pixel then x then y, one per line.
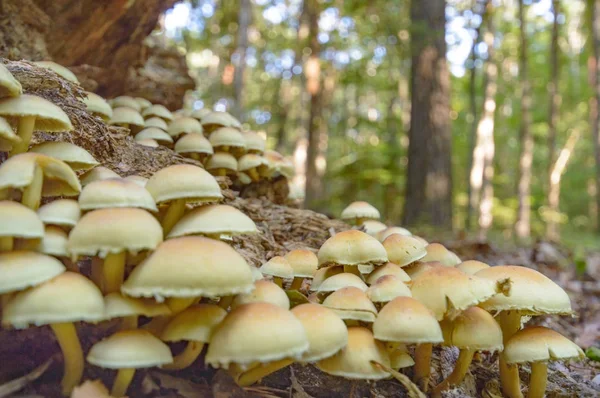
pixel 596 101
pixel 523 225
pixel 244 17
pixel 429 183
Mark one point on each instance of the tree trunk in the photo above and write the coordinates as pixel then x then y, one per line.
pixel 239 62
pixel 429 183
pixel 523 225
pixel 596 83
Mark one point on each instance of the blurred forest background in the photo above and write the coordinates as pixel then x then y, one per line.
pixel 480 115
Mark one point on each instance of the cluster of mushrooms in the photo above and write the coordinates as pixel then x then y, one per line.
pixel 151 258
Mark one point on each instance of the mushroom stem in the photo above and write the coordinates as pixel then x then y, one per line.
pixel 225 301
pixel 129 322
pixel 24 131
pixel 178 304
pixel 458 374
pixel 6 243
pixel 352 269
pixel 66 335
pixel 32 195
pixel 360 221
pixel 96 274
pixel 187 356
pixel 221 172
pixel 538 380
pixel 114 271
pixel 195 156
pixel 174 213
pixel 156 325
pixel 253 174
pixel 422 365
pixel 278 281
pixel 122 381
pixel 510 323
pixel 225 148
pixel 70 265
pixel 296 283
pixel 251 376
pixel 351 322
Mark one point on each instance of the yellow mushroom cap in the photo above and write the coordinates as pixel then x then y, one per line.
pixel 354 360
pixel 76 157
pixel 184 125
pixel 125 101
pixel 392 230
pixel 200 113
pixel 104 231
pixel 304 262
pixel 156 122
pixel 214 219
pixel 98 105
pixel 154 133
pixel 403 250
pixel 471 267
pixel 326 332
pixel 373 227
pixel 19 221
pixel 54 242
pixel 277 266
pixel 143 102
pixel 190 266
pixel 254 142
pixel 264 292
pixel 9 86
pixel 339 281
pixel 387 288
pixel 23 269
pixel 256 274
pixel 115 192
pixel 418 268
pixel 400 358
pixel 439 253
pixel 388 269
pixel 322 274
pixel 193 143
pixel 251 161
pixel 360 209
pixel 220 119
pixel 183 181
pixel 406 320
pixel 227 136
pixel 61 212
pixel 473 329
pixel 279 165
pixel 126 115
pixel 49 117
pixel 196 323
pixel 257 332
pixel 7 135
pixel 222 160
pixel 158 111
pixel 352 247
pixel 117 306
pixel 69 297
pixel 97 173
pixel 59 179
pixel 130 349
pixel 351 303
pixel 540 344
pixel 531 293
pixel 60 70
pixel 148 142
pixel 141 181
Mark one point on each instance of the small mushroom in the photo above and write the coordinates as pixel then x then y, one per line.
pixel 60 70
pixel 125 101
pixel 157 110
pixel 358 212
pixel 98 106
pixel 264 292
pixel 18 221
pixel 76 157
pixel 304 263
pixel 222 164
pixel 352 305
pixel 279 268
pixel 156 134
pixel 404 250
pixel 194 146
pixel 9 86
pixel 184 126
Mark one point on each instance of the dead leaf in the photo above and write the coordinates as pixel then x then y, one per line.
pixel 223 386
pixel 91 389
pixel 183 387
pixel 17 384
pixel 413 390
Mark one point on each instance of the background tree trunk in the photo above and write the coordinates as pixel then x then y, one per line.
pixel 244 17
pixel 596 77
pixel 429 183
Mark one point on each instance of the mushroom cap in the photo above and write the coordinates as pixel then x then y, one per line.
pixel 304 262
pixel 418 268
pixel 256 332
pixel 471 267
pixel 279 165
pixel 7 136
pixel 222 160
pixel 49 117
pixel 351 303
pixel 531 293
pixel 354 360
pixel 473 329
pixel 183 181
pixel 382 235
pixel 254 142
pixel 326 332
pixel 156 122
pixel 339 281
pixel 97 173
pixel 59 179
pixel 190 266
pixel 193 143
pixel 373 227
pixel 117 305
pixel 438 252
pixel 251 161
pixel 156 134
pixel 158 111
pixel 360 209
pixel 256 274
pixel 61 212
pixel 400 358
pixel 200 113
pixel 446 289
pixel 130 349
pixel 220 119
pixel 227 136
pixel 19 221
pixel 60 70
pixel 324 273
pixel 351 247
pixel 68 297
pixel 406 320
pixel 115 192
pixel 141 181
pixel 22 269
pixel 184 125
pixel 264 292
pixel 9 86
pixel 388 269
pixel 277 266
pixel 540 344
pixel 54 242
pixel 148 142
pixel 128 116
pixel 143 102
pixel 214 219
pixel 387 288
pixel 403 250
pixel 125 101
pixel 196 323
pixel 76 157
pixel 114 230
pixel 98 105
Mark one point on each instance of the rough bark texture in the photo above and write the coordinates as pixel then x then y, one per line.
pixel 596 101
pixel 244 16
pixel 429 185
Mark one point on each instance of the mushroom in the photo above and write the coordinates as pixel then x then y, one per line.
pixel 264 292
pixel 32 113
pixel 194 146
pixel 113 193
pixel 129 308
pixel 539 345
pixel 98 106
pixel 125 101
pixel 97 173
pixel 127 351
pixel 471 267
pixel 54 243
pixel 195 325
pixel 63 213
pixel 358 212
pixel 304 263
pixel 59 302
pixel 215 120
pixel 279 165
pixel 9 86
pixel 8 138
pixel 184 126
pixel 179 184
pixel 222 164
pixel 439 253
pixel 76 157
pixel 228 140
pixel 141 181
pixel 253 165
pixel 60 70
pixel 156 134
pixel 387 288
pixel 156 122
pixel 392 230
pixel 128 118
pixel 18 221
pixel 342 280
pixel 143 102
pixel 403 250
pixel 388 269
pixel 352 305
pixel 198 114
pixel 255 144
pixel 157 111
pixel 322 274
pixel 373 227
pixel 148 142
pixel 279 268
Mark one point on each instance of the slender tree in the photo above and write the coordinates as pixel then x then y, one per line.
pixel 595 14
